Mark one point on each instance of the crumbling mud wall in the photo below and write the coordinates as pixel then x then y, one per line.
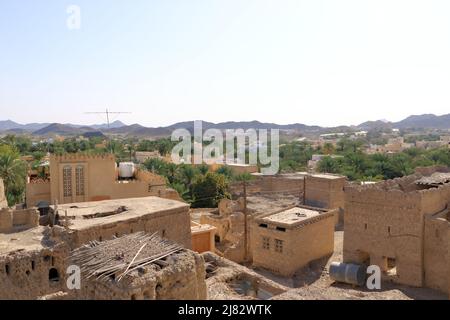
pixel 30 274
pixel 183 278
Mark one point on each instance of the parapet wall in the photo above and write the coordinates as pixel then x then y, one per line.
pixel 75 157
pixel 11 219
pixel 36 192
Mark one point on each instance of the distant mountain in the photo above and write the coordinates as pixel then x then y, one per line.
pixel 137 130
pixel 379 124
pixel 427 121
pixel 189 125
pixel 112 125
pixel 8 125
pixel 11 125
pixel 62 129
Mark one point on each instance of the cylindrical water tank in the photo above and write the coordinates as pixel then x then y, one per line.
pixel 348 273
pixel 126 169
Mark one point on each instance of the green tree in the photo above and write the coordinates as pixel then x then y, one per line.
pixel 13 172
pixel 209 189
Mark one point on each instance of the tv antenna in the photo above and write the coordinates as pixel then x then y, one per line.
pixel 108 113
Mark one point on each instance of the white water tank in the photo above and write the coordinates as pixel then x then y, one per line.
pixel 126 169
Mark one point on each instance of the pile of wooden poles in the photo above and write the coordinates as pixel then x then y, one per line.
pixel 116 258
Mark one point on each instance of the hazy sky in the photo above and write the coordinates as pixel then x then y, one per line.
pixel 314 62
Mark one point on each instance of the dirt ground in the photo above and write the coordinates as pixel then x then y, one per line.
pixel 313 283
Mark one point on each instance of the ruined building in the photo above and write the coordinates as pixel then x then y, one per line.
pixel 34 257
pixel 268 195
pixel 403 226
pixel 80 178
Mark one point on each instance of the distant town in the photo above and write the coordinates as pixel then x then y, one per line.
pixel 354 212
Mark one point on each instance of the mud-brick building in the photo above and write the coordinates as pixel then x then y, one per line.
pixel 34 258
pixel 288 240
pixel 83 178
pixel 403 226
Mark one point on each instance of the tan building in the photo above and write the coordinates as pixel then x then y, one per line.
pixel 288 240
pixel 203 237
pixel 80 178
pixel 403 226
pixel 324 190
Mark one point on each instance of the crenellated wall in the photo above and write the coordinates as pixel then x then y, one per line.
pixel 400 228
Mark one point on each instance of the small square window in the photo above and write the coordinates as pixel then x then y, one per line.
pixel 278 246
pixel 266 243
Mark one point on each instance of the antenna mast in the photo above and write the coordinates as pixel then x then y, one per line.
pixel 107 113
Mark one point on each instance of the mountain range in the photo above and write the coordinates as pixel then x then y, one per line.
pixel 424 121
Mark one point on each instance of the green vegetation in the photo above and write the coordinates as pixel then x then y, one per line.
pixel 360 166
pixel 13 172
pixel 195 184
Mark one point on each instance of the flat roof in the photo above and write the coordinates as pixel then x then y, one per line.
pixel 26 240
pixel 291 216
pixel 84 215
pixel 326 176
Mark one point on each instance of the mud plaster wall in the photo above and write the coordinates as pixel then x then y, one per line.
pixel 37 191
pixel 170 224
pixel 381 224
pixel 324 193
pixel 437 265
pixel 270 184
pixel 9 219
pixel 301 245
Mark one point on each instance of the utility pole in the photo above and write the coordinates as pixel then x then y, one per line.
pixel 245 222
pixel 108 113
pixel 304 189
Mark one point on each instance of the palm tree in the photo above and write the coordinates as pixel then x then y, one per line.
pixel 13 172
